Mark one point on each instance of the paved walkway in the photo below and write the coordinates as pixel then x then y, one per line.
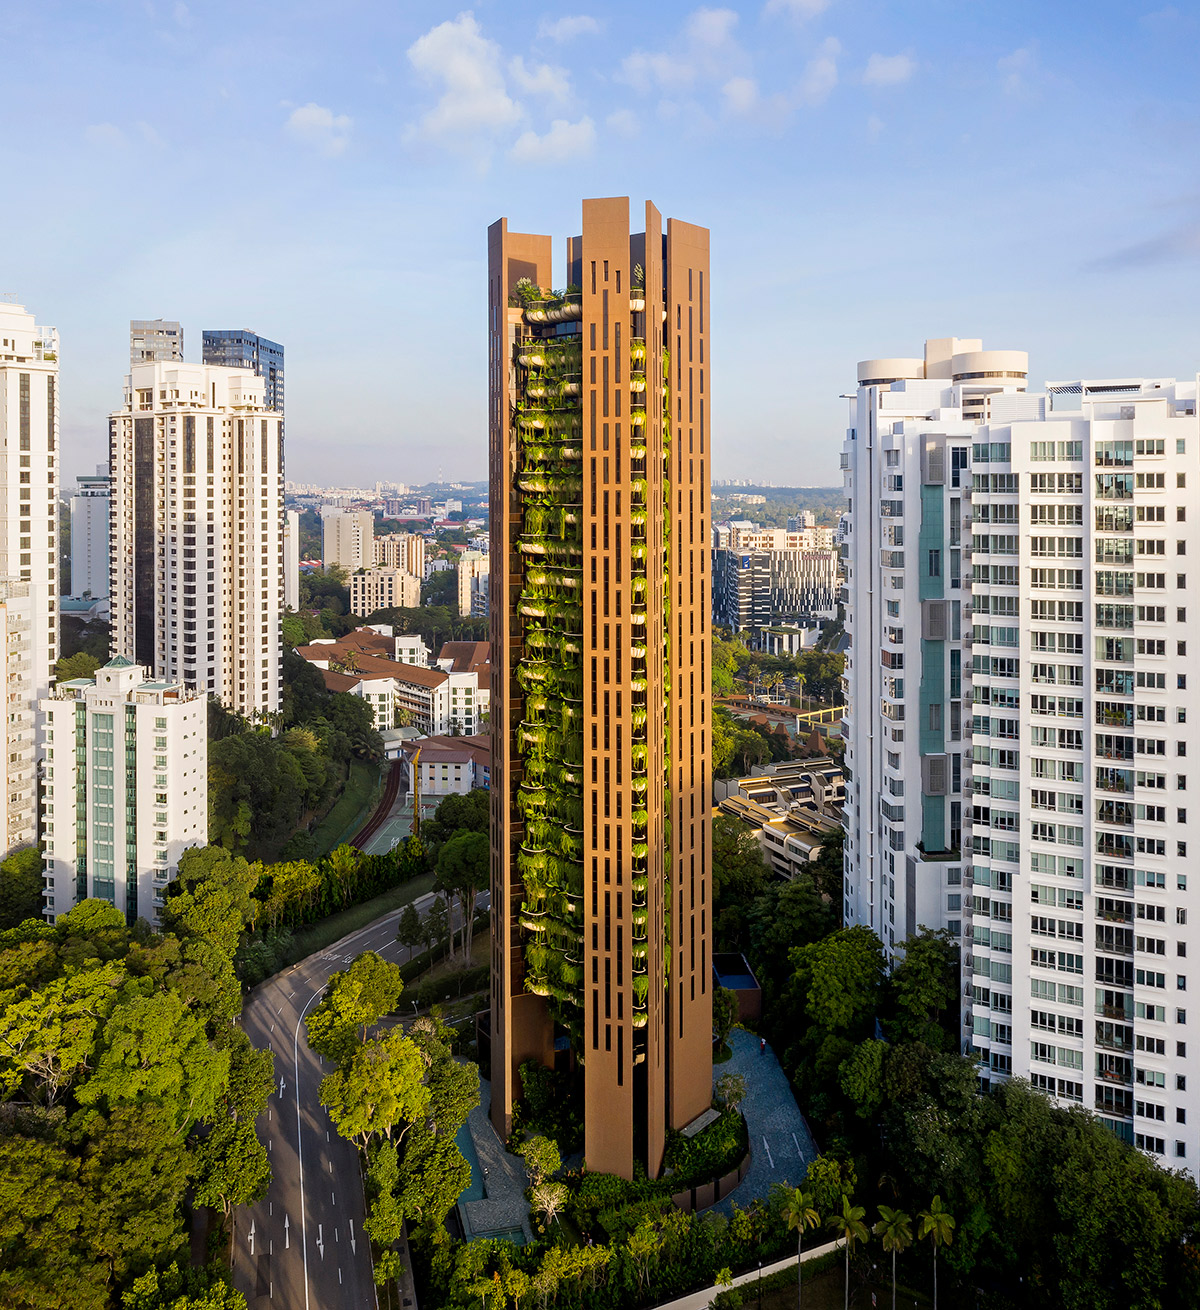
pixel 504 1205
pixel 781 1146
pixel 702 1299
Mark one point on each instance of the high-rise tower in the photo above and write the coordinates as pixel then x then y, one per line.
pixel 197 531
pixel 600 656
pixel 238 348
pixel 29 407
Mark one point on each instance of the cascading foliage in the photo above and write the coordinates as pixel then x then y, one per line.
pixel 547 421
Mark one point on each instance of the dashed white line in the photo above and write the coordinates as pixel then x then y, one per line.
pixel 770 1157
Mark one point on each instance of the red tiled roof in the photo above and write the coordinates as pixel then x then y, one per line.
pixel 467 656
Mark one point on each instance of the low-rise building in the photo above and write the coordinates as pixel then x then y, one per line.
pixel 793 807
pixel 126 788
pixel 448 765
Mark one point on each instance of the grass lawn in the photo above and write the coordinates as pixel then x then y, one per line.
pixel 351 809
pixel 319 936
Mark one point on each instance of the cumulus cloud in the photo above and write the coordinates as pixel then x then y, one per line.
pixel 563 142
pixel 740 95
pixel 888 70
pixel 796 8
pixel 475 100
pixel 319 128
pixel 820 74
pixel 624 122
pixel 105 135
pixel 568 28
pixel 540 80
pixel 707 51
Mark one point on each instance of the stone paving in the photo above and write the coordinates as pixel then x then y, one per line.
pixel 504 1205
pixel 781 1146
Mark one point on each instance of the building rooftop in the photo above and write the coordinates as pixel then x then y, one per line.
pixel 467 656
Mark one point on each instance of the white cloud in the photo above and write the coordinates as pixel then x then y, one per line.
pixel 474 99
pixel 319 128
pixel 105 135
pixel 624 122
pixel 1015 68
pixel 562 143
pixel 711 27
pixel 149 135
pixel 820 73
pixel 568 28
pixel 541 80
pixel 740 94
pixel 707 51
pixel 796 8
pixel 888 70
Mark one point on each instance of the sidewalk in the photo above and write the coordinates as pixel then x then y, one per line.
pixel 702 1299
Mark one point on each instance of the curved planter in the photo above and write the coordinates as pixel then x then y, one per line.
pixel 704 1195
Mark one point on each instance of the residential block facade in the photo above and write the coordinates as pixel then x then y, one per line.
pixel 126 788
pixel 197 531
pixel 1022 716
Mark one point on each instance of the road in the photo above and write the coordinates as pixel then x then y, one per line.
pixel 302 1247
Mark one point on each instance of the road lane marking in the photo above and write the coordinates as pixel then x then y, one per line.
pixel 339 1275
pixel 770 1157
pixel 300 1142
pixel 333 1198
pixel 287 1236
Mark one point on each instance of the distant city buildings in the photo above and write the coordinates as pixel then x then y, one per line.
pixel 29 464
pixel 197 550
pixel 155 341
pixel 238 348
pixel 90 507
pixel 764 576
pixel 383 588
pixel 473 566
pixel 1021 714
pixel 401 550
pixel 126 788
pixel 347 538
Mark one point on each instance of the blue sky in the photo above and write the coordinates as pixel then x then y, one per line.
pixel 873 173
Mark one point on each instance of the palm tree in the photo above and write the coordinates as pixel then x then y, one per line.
pixel 799 1213
pixel 850 1228
pixel 895 1228
pixel 937 1224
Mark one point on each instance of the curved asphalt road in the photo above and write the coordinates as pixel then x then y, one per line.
pixel 302 1247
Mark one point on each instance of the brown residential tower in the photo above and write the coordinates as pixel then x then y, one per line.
pixel 600 587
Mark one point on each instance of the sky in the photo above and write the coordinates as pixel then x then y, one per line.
pixel 873 173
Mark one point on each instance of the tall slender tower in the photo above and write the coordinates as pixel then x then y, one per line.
pixel 197 531
pixel 600 656
pixel 29 479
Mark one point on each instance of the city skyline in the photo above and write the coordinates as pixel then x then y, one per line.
pixel 977 138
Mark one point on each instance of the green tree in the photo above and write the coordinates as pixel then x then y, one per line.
pixel 379 1088
pixel 231 1166
pixel 458 813
pixel 462 871
pixel 799 1214
pixel 861 1078
pixel 894 1229
pixel 849 1227
pixel 842 976
pixel 724 1012
pixel 20 887
pixel 437 922
pixel 182 1288
pixel 542 1158
pixel 548 1199
pixel 355 1000
pixel 738 877
pixel 924 991
pixel 936 1223
pixel 408 929
pixel 79 665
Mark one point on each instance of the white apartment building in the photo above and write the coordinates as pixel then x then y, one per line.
pixel 196 546
pixel 29 410
pixel 401 550
pixel 382 588
pixel 742 536
pixel 18 813
pixel 126 788
pixel 472 566
pixel 90 507
pixel 347 537
pixel 1021 719
pixel 291 559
